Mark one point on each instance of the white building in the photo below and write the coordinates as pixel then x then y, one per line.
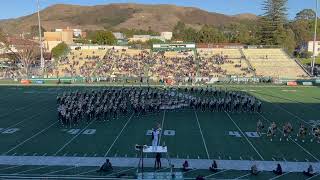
pixel 118 35
pixel 310 47
pixel 166 35
pixel 76 32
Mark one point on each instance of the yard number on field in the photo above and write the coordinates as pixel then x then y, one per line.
pixel 76 131
pixel 8 131
pixel 249 134
pixel 165 132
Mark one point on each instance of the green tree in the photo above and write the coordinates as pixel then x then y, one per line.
pixel 103 38
pixel 60 50
pixel 272 21
pixel 34 31
pixel 306 14
pixel 178 31
pixel 208 34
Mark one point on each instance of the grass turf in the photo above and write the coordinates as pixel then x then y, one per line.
pixel 197 134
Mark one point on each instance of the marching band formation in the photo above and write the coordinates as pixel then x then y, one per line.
pixel 110 103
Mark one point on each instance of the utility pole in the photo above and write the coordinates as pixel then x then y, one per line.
pixel 40 40
pixel 314 39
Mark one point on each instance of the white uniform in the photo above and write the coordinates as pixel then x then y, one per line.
pixel 155 139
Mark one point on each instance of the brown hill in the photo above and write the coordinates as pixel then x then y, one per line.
pixel 136 16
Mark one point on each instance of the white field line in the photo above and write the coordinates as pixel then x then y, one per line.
pixel 33 169
pixel 61 170
pixel 73 138
pixel 243 176
pixel 313 176
pixel 244 136
pixel 31 117
pixel 163 118
pixel 280 175
pixel 305 150
pixel 297 117
pixel 10 167
pixel 204 142
pixel 216 173
pixel 115 140
pixel 18 145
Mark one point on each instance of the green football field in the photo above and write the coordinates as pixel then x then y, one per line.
pixel 29 128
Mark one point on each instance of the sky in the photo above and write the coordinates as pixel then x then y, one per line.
pixel 17 8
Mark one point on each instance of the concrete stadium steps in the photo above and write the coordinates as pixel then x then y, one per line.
pixel 273 63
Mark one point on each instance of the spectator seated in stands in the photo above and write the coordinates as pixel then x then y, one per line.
pixel 309 171
pixel 254 169
pixel 185 166
pixel 107 166
pixel 278 170
pixel 214 166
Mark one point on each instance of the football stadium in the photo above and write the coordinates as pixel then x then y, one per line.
pixel 209 100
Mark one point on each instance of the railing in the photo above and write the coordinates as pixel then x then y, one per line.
pixel 248 62
pixel 297 61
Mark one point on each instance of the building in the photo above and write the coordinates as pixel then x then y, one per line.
pixel 52 39
pixel 310 47
pixel 145 38
pixel 166 35
pixel 76 32
pixel 121 38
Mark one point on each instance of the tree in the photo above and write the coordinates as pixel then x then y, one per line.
pixel 22 50
pixel 103 38
pixel 60 50
pixel 178 31
pixel 306 14
pixel 208 34
pixel 272 21
pixel 34 31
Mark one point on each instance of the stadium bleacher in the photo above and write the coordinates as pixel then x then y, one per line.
pixel 274 63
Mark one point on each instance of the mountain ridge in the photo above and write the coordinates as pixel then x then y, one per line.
pixel 160 17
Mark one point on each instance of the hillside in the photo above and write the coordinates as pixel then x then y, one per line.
pixel 137 16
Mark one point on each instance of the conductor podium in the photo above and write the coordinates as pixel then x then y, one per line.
pixel 155 149
pixel 152 150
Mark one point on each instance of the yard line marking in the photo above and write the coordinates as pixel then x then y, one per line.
pixel 244 136
pixel 288 112
pixel 86 172
pixel 23 121
pixel 273 159
pixel 31 137
pixel 163 117
pixel 122 171
pixel 118 135
pixel 313 177
pixel 305 150
pixel 33 169
pixel 10 167
pixel 190 171
pixel 73 138
pixel 280 175
pixel 60 170
pixel 204 142
pixel 215 173
pixel 243 176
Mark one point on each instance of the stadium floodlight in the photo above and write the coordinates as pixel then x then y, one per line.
pixel 314 39
pixel 40 39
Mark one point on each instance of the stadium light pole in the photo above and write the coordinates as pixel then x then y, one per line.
pixel 314 39
pixel 40 39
